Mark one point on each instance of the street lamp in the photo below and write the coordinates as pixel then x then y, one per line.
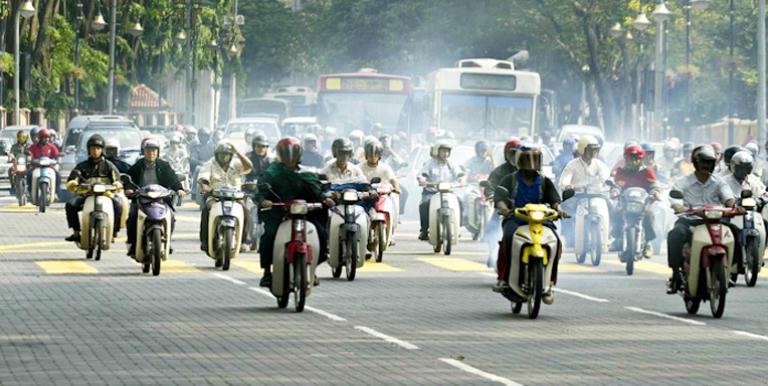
pixel 78 27
pixel 641 22
pixel 98 22
pixel 135 29
pixel 660 14
pixel 616 30
pixel 26 10
pixel 181 37
pixel 701 5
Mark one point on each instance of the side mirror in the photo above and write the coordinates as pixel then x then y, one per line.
pixel 70 149
pixel 746 193
pixel 501 192
pixel 485 184
pixel 676 194
pixel 568 194
pixel 124 178
pixel 376 180
pixel 611 183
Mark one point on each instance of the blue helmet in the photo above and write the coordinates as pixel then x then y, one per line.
pixel 481 147
pixel 647 147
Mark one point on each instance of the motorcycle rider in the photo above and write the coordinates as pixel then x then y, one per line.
pixel 358 154
pixel 740 176
pixel 566 155
pixel 668 160
pixel 388 153
pixel 508 167
pixel 438 169
pixel 375 167
pixel 342 170
pixel 525 186
pixel 97 167
pixel 202 150
pixel 33 135
pixel 19 149
pixel 148 170
pixel 177 154
pixel 312 157
pixel 282 182
pixel 634 174
pixel 719 165
pixel 587 170
pixel 111 151
pixel 702 187
pixel 43 148
pixel 754 150
pixel 684 166
pixel 259 156
pixel 727 155
pixel 190 137
pixel 482 162
pixel 223 170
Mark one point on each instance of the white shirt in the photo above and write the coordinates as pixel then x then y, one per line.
pixel 352 174
pixel 751 182
pixel 382 170
pixel 218 177
pixel 578 174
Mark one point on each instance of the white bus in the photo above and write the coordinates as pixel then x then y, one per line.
pixel 483 98
pixel 302 99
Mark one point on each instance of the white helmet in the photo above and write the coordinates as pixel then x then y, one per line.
pixel 356 136
pixel 112 143
pixel 177 137
pixel 741 158
pixel 753 148
pixel 585 142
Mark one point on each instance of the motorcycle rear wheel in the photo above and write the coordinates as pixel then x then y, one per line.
pixel 157 251
pixel 752 262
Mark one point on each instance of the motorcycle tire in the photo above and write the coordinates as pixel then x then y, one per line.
pixel 228 248
pixel 596 246
pixel 717 287
pixel 300 281
pixel 42 198
pixel 157 251
pixel 629 253
pixel 692 305
pixel 752 259
pixel 480 225
pixel 516 307
pixel 438 243
pixel 380 242
pixel 282 301
pixel 99 234
pixel 448 237
pixel 21 191
pixel 350 259
pixel 535 276
pixel 145 267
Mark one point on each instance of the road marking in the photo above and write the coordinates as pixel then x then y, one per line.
pixel 665 316
pixel 262 291
pixel 472 370
pixel 576 268
pixel 228 278
pixel 177 266
pixel 455 264
pixel 646 266
pixel 248 265
pixel 58 267
pixel 387 338
pixel 35 244
pixel 750 335
pixel 454 252
pixel 374 267
pixel 195 220
pixel 328 315
pixel 580 295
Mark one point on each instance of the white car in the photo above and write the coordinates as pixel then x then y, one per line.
pixel 235 131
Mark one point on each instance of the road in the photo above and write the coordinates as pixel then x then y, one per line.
pixel 417 318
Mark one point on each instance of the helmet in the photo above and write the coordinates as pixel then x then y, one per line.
pixel 95 140
pixel 671 145
pixel 356 135
pixel 742 164
pixel 753 148
pixel 43 133
pixel 222 148
pixel 687 147
pixel 481 147
pixel 52 133
pixel 730 151
pixel 510 147
pixel 177 138
pixel 150 143
pixel 648 147
pixel 341 145
pixel 373 147
pixel 717 147
pixel 569 142
pixel 386 140
pixel 204 133
pixel 112 143
pixel 21 136
pixel 309 137
pixel 634 150
pixel 630 143
pixel 289 150
pixel 178 127
pixel 528 158
pixel 704 153
pixel 34 132
pixel 587 142
pixel 190 130
pixel 260 139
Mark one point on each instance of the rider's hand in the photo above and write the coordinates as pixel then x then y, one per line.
pixel 656 195
pixel 266 204
pixel 181 193
pixel 564 214
pixel 71 185
pixel 504 212
pixel 329 202
pixel 740 210
pixel 129 192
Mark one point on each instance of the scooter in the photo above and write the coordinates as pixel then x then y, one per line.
pixel 533 254
pixel 707 258
pixel 384 217
pixel 295 255
pixel 257 227
pixel 44 183
pixel 153 226
pixel 752 240
pixel 348 232
pixel 225 226
pixel 19 166
pixel 478 208
pixel 444 216
pixel 591 224
pixel 96 218
pixel 634 202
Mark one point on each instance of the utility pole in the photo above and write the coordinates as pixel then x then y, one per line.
pixel 112 37
pixel 189 99
pixel 687 119
pixel 731 64
pixel 761 134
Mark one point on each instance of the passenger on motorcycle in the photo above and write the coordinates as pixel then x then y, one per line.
pixel 202 150
pixel 223 170
pixel 375 167
pixel 508 167
pixel 669 158
pixel 147 171
pixel 587 170
pixel 720 167
pixel 19 149
pixel 43 148
pixel 727 155
pixel 438 169
pixel 482 163
pixel 177 154
pixel 684 166
pixel 111 152
pixel 754 150
pixel 259 156
pixel 634 174
pixel 388 153
pixel 703 187
pixel 342 170
pixel 312 157
pixel 98 167
pixel 526 186
pixel 740 176
pixel 190 136
pixel 282 182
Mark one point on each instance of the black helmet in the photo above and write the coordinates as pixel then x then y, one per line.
pixel 259 140
pixel 222 148
pixel 730 151
pixel 96 140
pixel 341 145
pixel 704 154
pixel 204 134
pixel 373 147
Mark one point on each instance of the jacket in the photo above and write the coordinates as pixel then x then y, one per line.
pixel 99 168
pixel 166 176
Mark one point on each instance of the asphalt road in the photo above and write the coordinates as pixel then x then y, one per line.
pixel 418 318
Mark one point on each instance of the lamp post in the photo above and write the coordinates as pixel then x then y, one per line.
pixel 78 27
pixel 731 66
pixel 761 72
pixel 112 38
pixel 660 14
pixel 26 10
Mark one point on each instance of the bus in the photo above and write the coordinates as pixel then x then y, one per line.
pixel 483 98
pixel 363 99
pixel 302 99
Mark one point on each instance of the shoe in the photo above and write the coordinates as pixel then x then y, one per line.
pixel 648 250
pixel 548 297
pixel 500 286
pixel 317 281
pixel 423 236
pixel 203 248
pixel 266 280
pixel 114 235
pixel 131 251
pixel 672 286
pixel 170 250
pixel 75 236
pixel 243 248
pixel 368 256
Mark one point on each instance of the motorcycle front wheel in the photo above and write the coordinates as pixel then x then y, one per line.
pixel 629 253
pixel 448 236
pixel 692 305
pixel 42 198
pixel 157 251
pixel 229 238
pixel 21 190
pixel 99 233
pixel 380 241
pixel 300 281
pixel 535 290
pixel 717 287
pixel 596 245
pixel 350 256
pixel 752 262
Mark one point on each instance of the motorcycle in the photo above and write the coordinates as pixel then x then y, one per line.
pixel 225 226
pixel 295 254
pixel 257 227
pixel 444 216
pixel 591 224
pixel 533 254
pixel 348 232
pixel 634 202
pixel 44 183
pixel 384 216
pixel 19 168
pixel 479 210
pixel 153 226
pixel 752 239
pixel 707 258
pixel 96 218
pixel 184 179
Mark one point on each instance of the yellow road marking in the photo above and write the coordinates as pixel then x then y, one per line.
pixel 427 252
pixel 57 267
pixel 374 267
pixel 455 264
pixel 35 244
pixel 647 266
pixel 177 266
pixel 248 265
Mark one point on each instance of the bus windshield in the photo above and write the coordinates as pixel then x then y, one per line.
pixel 350 111
pixel 498 116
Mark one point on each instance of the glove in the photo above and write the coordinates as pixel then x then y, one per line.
pixel 71 185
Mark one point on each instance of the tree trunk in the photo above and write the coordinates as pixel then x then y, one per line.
pixel 607 113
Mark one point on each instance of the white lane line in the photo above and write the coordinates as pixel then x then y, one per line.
pixel 228 278
pixel 665 316
pixel 472 370
pixel 328 315
pixel 387 338
pixel 261 291
pixel 750 335
pixel 580 295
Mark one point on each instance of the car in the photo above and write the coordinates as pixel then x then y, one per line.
pixel 235 131
pixel 299 126
pixel 7 140
pixel 576 131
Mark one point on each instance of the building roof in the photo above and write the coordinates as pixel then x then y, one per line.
pixel 143 97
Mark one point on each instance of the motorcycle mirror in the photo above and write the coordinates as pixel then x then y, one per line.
pixel 70 149
pixel 485 184
pixel 376 180
pixel 501 191
pixel 676 194
pixel 568 193
pixel 746 193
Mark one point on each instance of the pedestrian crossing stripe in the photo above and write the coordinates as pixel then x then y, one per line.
pixel 455 264
pixel 58 267
pixel 374 267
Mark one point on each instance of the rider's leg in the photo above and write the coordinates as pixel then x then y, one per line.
pixel 676 239
pixel 72 208
pixel 424 217
pixel 117 211
pixel 204 224
pixel 617 228
pixel 130 224
pixel 505 250
pixel 248 221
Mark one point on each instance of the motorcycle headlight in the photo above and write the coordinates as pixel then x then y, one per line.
pixel 227 204
pixel 444 186
pixel 349 196
pixel 99 188
pixel 537 216
pixel 713 214
pixel 748 203
pixel 634 207
pixel 299 209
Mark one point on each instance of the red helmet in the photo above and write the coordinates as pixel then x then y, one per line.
pixel 512 144
pixel 289 150
pixel 635 150
pixel 43 133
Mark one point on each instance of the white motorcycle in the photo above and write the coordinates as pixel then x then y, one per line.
pixel 225 226
pixel 96 218
pixel 348 234
pixel 384 217
pixel 44 183
pixel 752 240
pixel 444 217
pixel 591 224
pixel 478 208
